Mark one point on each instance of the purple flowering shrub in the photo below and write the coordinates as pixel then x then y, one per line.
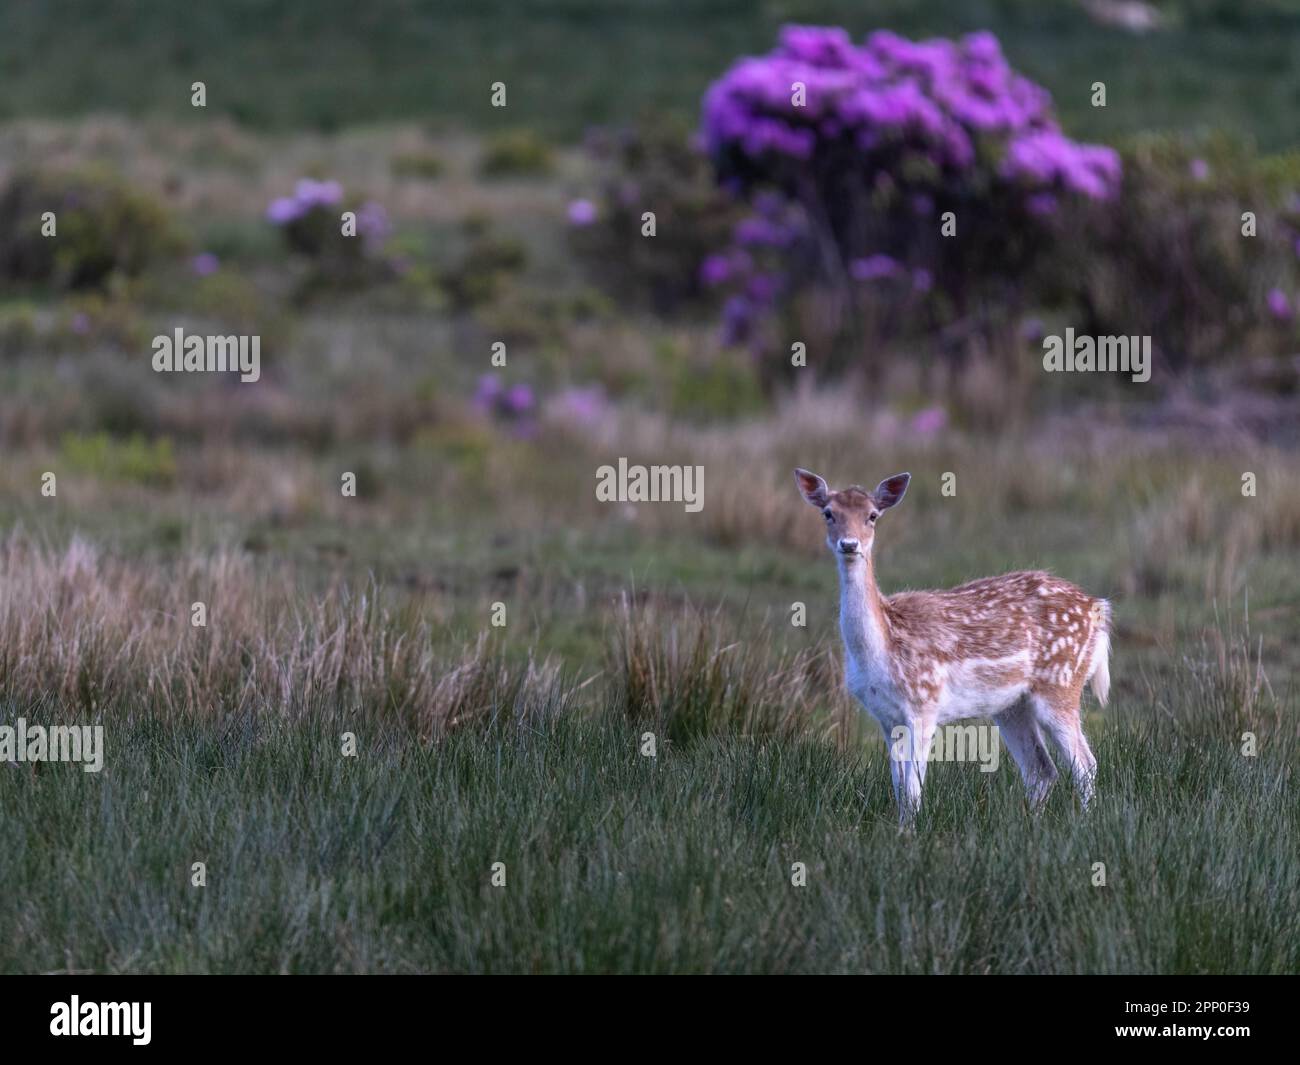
pixel 311 223
pixel 309 218
pixel 850 155
pixel 513 406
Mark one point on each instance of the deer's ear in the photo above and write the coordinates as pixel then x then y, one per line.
pixel 891 490
pixel 812 488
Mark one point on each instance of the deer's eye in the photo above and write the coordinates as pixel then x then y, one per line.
pixel 872 519
pixel 827 514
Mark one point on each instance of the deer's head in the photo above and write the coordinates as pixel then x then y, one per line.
pixel 850 513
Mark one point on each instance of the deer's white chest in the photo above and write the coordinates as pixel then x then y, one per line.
pixel 871 684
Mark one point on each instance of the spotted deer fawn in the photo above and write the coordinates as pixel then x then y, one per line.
pixel 1016 648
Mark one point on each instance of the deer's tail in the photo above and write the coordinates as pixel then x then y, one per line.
pixel 1099 669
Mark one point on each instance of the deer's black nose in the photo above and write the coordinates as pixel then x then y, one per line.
pixel 848 545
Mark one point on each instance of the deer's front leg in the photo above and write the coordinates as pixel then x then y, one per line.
pixel 909 746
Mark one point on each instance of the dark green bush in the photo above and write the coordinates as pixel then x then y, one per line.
pixel 515 153
pixel 652 167
pixel 1169 260
pixel 18 329
pixel 104 229
pixel 424 165
pixel 486 261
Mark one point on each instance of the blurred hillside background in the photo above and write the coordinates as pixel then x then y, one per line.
pixel 522 226
pixel 294 66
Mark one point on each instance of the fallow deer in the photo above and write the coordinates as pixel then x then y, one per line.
pixel 1016 648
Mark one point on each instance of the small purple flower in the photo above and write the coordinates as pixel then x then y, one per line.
pixel 518 400
pixel 737 320
pixel 81 323
pixel 1048 157
pixel 714 270
pixel 1199 169
pixel 205 264
pixel 922 279
pixel 283 210
pixel 582 213
pixel 761 288
pixel 760 232
pixel 491 397
pixel 310 193
pixel 874 267
pixel 930 422
pixel 579 406
pixel 488 393
pixel 1279 305
pixel 373 224
pixel 1041 205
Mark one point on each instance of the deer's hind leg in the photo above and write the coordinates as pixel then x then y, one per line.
pixel 1059 715
pixel 1018 727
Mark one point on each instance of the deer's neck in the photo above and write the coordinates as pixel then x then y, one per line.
pixel 862 613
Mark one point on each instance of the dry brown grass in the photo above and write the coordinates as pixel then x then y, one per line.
pixel 694 674
pixel 92 631
pixel 99 634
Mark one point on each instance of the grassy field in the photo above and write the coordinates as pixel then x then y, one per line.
pixel 619 863
pixel 521 743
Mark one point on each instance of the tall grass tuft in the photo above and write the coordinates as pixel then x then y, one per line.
pixel 691 676
pixel 96 633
